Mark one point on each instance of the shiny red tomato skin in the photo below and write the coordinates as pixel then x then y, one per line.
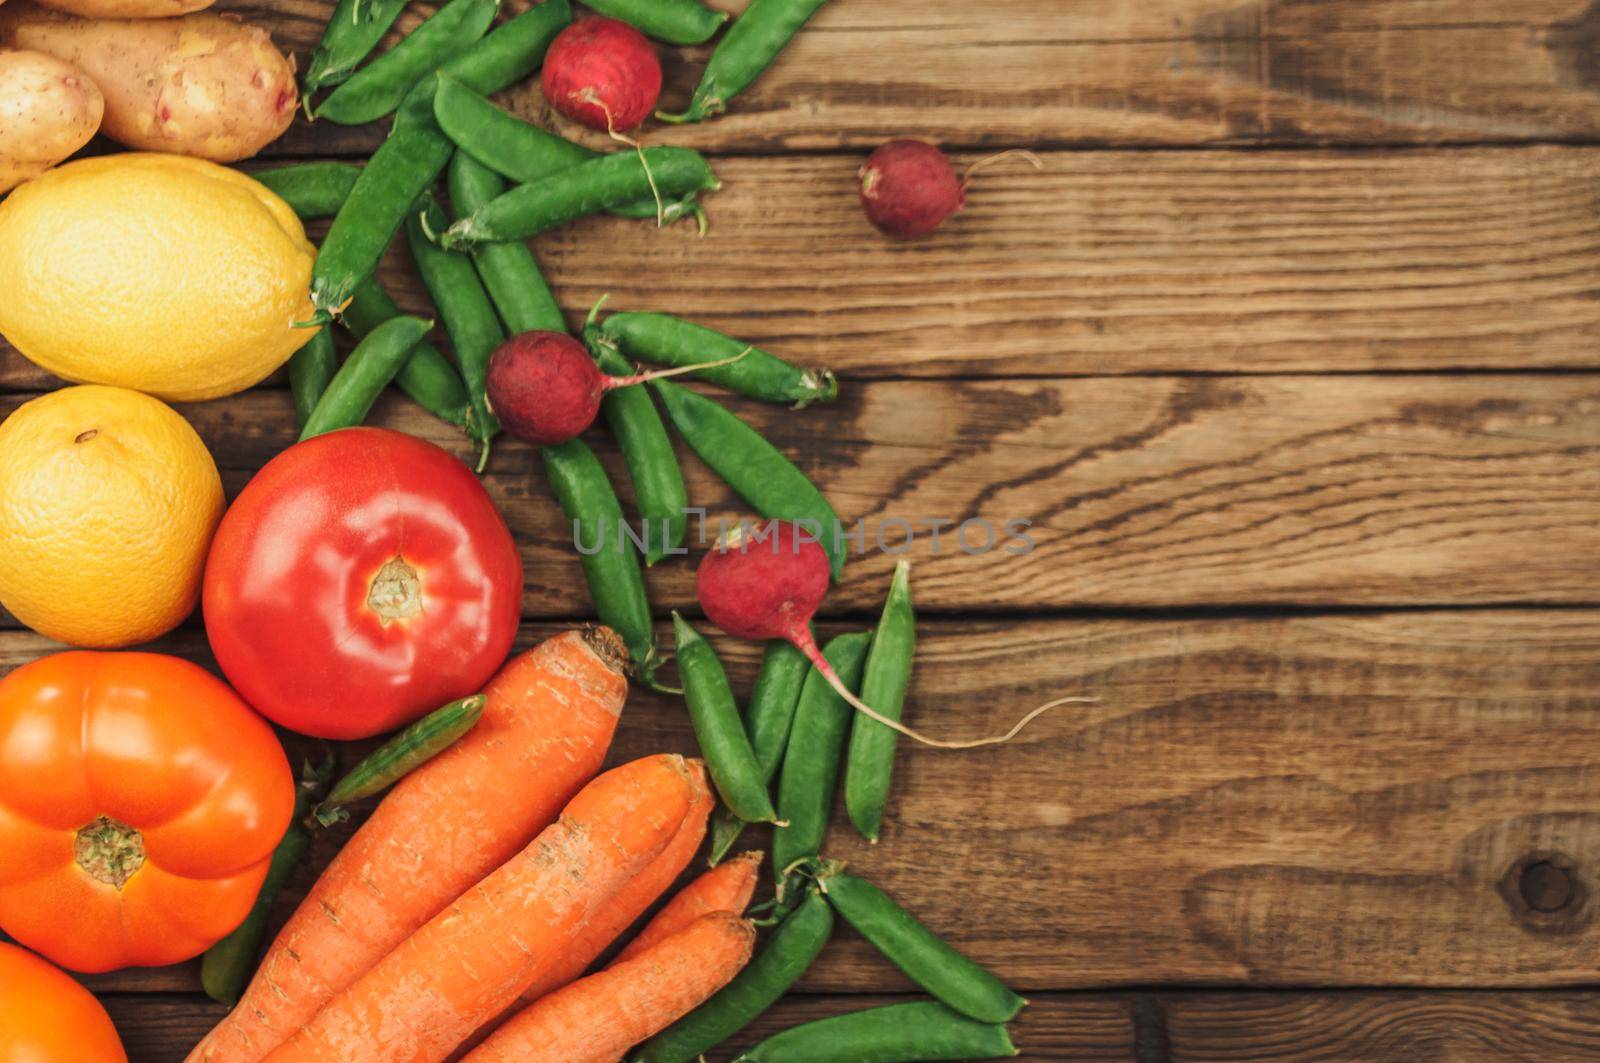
pixel 292 565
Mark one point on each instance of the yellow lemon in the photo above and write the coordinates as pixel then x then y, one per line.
pixel 165 274
pixel 108 500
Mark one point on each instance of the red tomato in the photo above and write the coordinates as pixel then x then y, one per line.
pixel 363 578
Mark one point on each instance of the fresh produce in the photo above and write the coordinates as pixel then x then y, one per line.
pixel 140 802
pixel 48 110
pixel 811 763
pixel 957 981
pixel 909 188
pixel 598 1018
pixel 673 21
pixel 226 967
pixel 311 369
pixel 749 47
pixel 602 73
pixel 509 271
pixel 377 88
pixel 718 729
pixel 883 686
pixel 659 493
pixel 676 342
pixel 601 928
pixel 353 31
pixel 199 84
pixel 400 756
pixel 468 315
pixel 894 1033
pixel 462 969
pixel 725 888
pixel 360 580
pixel 427 375
pixel 108 500
pixel 547 722
pixel 46 1017
pixel 349 396
pixel 128 8
pixel 752 466
pixel 416 151
pixel 610 563
pixel 767 719
pixel 312 189
pixel 780 963
pixel 546 388
pixel 599 184
pixel 159 273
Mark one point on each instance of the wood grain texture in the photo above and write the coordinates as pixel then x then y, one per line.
pixel 1347 800
pixel 1123 263
pixel 1144 492
pixel 1057 72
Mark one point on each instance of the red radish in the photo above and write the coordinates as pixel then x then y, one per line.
pixel 909 188
pixel 602 73
pixel 766 583
pixel 545 388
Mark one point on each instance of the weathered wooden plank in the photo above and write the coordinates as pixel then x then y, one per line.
pixel 1113 263
pixel 1408 798
pixel 1053 72
pixel 1143 492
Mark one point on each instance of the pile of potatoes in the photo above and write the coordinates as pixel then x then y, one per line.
pixel 156 75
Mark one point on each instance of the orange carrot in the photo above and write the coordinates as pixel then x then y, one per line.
pixel 471 960
pixel 727 887
pixel 595 1018
pixel 607 925
pixel 547 723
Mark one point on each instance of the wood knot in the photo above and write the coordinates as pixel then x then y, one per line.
pixel 1545 892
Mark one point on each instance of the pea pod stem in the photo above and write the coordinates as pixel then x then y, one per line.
pixel 894 1033
pixel 364 375
pixel 748 48
pixel 717 727
pixel 228 964
pixel 398 757
pixel 379 87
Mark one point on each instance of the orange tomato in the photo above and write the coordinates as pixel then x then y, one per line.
pixel 46 1017
pixel 140 801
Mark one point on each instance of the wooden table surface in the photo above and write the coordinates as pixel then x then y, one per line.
pixel 1290 356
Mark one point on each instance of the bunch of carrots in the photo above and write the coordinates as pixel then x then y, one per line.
pixel 464 912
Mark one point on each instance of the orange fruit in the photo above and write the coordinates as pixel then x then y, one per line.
pixel 108 501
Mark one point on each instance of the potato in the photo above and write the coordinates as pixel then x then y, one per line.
pixel 127 8
pixel 201 84
pixel 48 110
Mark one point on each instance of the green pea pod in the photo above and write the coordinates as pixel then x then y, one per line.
pixel 895 1033
pixel 752 466
pixel 416 151
pixel 729 758
pixel 312 189
pixel 589 187
pixel 767 720
pixel 673 21
pixel 883 686
pixel 673 341
pixel 749 47
pixel 610 564
pixel 793 947
pixel 353 31
pixel 311 370
pixel 468 315
pixel 400 756
pixel 364 375
pixel 811 764
pixel 380 86
pixel 227 966
pixel 509 270
pixel 428 377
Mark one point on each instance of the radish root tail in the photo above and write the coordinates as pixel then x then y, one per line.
pixel 658 374
pixel 989 160
pixel 588 95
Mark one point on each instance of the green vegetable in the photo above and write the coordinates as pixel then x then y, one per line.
pixel 312 189
pixel 749 47
pixel 364 375
pixel 767 720
pixel 509 271
pixel 896 1033
pixel 353 31
pixel 729 758
pixel 428 377
pixel 673 21
pixel 399 756
pixel 380 86
pixel 883 686
pixel 311 370
pixel 673 341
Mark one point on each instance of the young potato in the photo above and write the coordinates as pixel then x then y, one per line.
pixel 201 84
pixel 48 110
pixel 126 8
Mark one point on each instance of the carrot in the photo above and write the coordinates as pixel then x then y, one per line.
pixel 727 887
pixel 472 959
pixel 547 723
pixel 594 1018
pixel 608 924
